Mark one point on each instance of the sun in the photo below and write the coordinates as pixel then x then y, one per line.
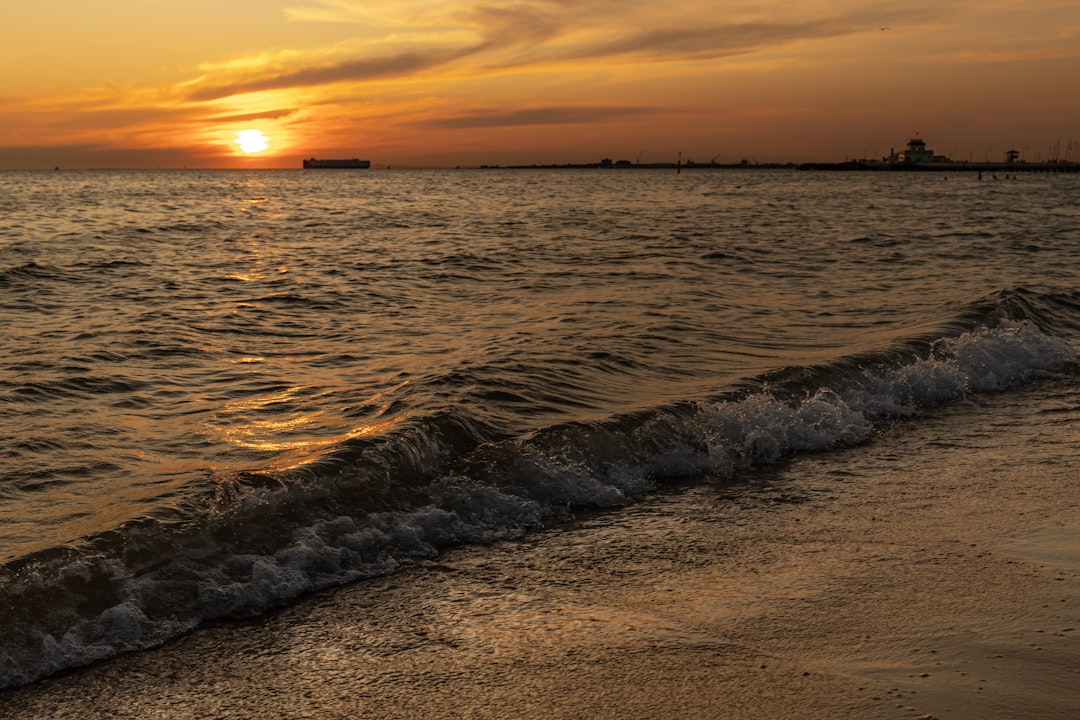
pixel 252 141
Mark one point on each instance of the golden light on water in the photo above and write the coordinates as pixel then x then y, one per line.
pixel 279 437
pixel 296 438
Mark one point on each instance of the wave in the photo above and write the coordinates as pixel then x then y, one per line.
pixel 257 540
pixel 26 273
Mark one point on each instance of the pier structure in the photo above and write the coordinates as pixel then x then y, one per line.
pixel 948 166
pixel 918 157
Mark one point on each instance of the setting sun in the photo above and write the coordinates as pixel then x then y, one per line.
pixel 441 83
pixel 252 141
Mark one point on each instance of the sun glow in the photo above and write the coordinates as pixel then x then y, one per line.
pixel 252 141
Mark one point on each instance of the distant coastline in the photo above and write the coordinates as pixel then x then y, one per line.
pixel 689 165
pixel 916 157
pixel 847 166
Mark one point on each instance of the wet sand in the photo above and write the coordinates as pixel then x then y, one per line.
pixel 932 573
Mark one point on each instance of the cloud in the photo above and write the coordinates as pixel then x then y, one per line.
pixel 716 40
pixel 90 120
pixel 514 25
pixel 364 11
pixel 249 117
pixel 354 70
pixel 420 38
pixel 535 116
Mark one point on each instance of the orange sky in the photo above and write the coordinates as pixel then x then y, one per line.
pixel 165 83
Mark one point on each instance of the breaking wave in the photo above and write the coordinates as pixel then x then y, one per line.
pixel 258 540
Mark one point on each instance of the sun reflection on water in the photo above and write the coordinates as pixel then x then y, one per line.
pixel 264 424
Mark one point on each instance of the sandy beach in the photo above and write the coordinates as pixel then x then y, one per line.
pixel 927 574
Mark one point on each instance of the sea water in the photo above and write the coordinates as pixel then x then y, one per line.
pixel 221 390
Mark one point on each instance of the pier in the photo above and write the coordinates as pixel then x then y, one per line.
pixel 946 166
pixel 919 158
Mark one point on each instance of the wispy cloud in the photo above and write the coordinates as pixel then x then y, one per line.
pixel 716 40
pixel 251 117
pixel 536 116
pixel 421 38
pixel 353 70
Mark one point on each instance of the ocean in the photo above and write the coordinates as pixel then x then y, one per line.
pixel 224 390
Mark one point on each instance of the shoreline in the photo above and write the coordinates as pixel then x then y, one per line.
pixel 928 574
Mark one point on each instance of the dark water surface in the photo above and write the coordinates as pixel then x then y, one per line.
pixel 220 390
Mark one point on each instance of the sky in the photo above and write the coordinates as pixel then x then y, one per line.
pixel 440 83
